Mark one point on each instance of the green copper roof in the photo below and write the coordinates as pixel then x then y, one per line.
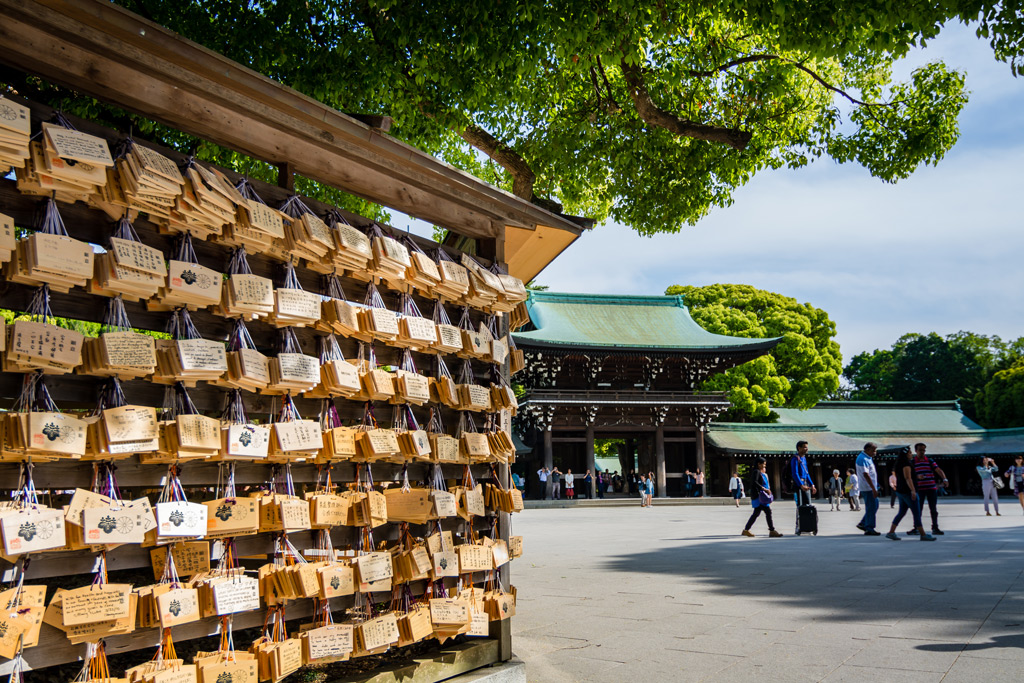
pixel 872 418
pixel 627 322
pixel 778 439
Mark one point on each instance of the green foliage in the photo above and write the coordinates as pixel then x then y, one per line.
pixel 803 369
pixel 608 448
pixel 86 327
pixel 553 84
pixel 1000 403
pixel 928 367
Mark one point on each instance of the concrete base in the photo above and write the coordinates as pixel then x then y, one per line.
pixel 512 671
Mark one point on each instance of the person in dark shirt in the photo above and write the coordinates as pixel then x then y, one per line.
pixel 927 478
pixel 907 495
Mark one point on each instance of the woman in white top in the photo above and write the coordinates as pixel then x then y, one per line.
pixel 736 487
pixel 853 489
pixel 988 471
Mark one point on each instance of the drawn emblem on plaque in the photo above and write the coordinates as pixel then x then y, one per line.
pixel 191 519
pixel 245 438
pixel 27 531
pixel 125 524
pixel 176 518
pixel 443 563
pixel 174 608
pixel 3 629
pixel 504 607
pixel 224 512
pixel 7 112
pixel 335 583
pixel 107 524
pixel 224 678
pixel 51 431
pixel 189 277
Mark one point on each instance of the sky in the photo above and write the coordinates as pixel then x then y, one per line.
pixel 938 252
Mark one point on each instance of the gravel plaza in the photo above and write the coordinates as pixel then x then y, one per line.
pixel 674 593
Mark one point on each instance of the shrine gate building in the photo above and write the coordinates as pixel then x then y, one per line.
pixel 621 367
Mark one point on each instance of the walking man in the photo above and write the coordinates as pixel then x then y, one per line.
pixel 542 474
pixel 927 477
pixel 868 478
pixel 802 482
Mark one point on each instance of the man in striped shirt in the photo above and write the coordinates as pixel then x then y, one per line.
pixel 927 477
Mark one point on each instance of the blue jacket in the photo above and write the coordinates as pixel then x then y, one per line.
pixel 798 465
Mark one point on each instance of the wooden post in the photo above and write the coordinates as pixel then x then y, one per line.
pixel 591 462
pixel 286 176
pixel 659 461
pixel 700 459
pixel 776 477
pixel 549 455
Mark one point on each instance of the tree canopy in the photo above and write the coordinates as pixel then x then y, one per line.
pixel 650 113
pixel 1000 403
pixel 802 370
pixel 929 367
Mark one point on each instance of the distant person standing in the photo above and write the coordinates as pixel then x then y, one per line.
pixel 868 477
pixel 736 487
pixel 688 483
pixel 650 490
pixel 542 474
pixel 1015 477
pixel 700 484
pixel 602 484
pixel 927 477
pixel 570 484
pixel 987 470
pixel 643 491
pixel 556 484
pixel 853 489
pixel 761 500
pixel 588 485
pixel 835 490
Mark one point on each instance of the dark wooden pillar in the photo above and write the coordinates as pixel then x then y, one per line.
pixel 659 461
pixel 700 458
pixel 591 462
pixel 549 460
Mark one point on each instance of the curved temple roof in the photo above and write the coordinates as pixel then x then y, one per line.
pixel 648 323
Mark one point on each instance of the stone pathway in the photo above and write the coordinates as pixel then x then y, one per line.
pixel 675 594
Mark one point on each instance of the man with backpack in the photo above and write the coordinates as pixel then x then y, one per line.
pixel 803 487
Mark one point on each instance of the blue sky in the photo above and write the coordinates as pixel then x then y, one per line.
pixel 937 252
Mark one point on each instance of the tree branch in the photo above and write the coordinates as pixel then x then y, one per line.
pixel 656 116
pixel 813 74
pixel 523 176
pixel 733 63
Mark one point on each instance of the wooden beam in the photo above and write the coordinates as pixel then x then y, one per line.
pixel 381 123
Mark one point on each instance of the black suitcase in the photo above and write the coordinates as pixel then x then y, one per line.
pixel 807 520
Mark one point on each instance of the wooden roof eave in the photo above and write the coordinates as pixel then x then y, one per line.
pixel 756 347
pixel 103 50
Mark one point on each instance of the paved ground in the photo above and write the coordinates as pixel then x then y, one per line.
pixel 675 594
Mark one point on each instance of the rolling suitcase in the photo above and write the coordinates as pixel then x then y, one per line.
pixel 807 520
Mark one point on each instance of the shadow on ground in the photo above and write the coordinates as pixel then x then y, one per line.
pixel 853 578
